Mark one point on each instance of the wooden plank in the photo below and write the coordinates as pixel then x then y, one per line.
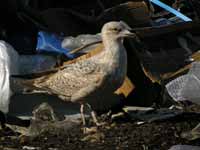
pixel 148 32
pixel 183 70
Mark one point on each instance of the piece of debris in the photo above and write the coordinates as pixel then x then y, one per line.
pixel 95 137
pixel 30 148
pixel 184 147
pixel 45 120
pixel 160 115
pixel 193 134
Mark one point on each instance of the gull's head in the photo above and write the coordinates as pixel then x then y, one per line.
pixel 116 30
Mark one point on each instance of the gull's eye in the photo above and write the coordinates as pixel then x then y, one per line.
pixel 116 29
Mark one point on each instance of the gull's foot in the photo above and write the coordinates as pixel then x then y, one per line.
pixel 100 124
pixel 90 130
pixel 94 137
pixel 93 129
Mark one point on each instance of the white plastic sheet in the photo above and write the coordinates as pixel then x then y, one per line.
pixel 76 42
pixel 8 65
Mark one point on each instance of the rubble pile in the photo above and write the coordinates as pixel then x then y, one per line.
pixel 155 108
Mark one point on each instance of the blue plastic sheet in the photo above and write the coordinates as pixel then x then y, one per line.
pixel 49 42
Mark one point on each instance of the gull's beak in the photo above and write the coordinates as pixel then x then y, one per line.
pixel 127 33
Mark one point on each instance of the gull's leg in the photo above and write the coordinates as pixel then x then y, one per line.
pixel 83 119
pixel 82 114
pixel 93 114
pixel 95 118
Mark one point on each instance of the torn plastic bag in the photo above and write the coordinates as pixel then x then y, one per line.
pixel 175 86
pixel 49 42
pixel 191 90
pixel 186 87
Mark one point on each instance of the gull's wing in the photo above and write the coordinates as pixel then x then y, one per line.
pixel 71 79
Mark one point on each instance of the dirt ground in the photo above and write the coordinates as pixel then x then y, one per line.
pixel 118 135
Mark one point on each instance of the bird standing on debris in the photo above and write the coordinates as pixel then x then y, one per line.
pixel 91 81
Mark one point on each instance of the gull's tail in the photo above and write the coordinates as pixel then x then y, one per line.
pixel 28 83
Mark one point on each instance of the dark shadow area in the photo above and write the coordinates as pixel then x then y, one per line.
pixel 23 105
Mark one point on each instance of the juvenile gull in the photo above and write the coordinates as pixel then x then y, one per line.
pixel 92 81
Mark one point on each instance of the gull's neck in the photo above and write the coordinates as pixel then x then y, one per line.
pixel 114 53
pixel 113 46
pixel 110 43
